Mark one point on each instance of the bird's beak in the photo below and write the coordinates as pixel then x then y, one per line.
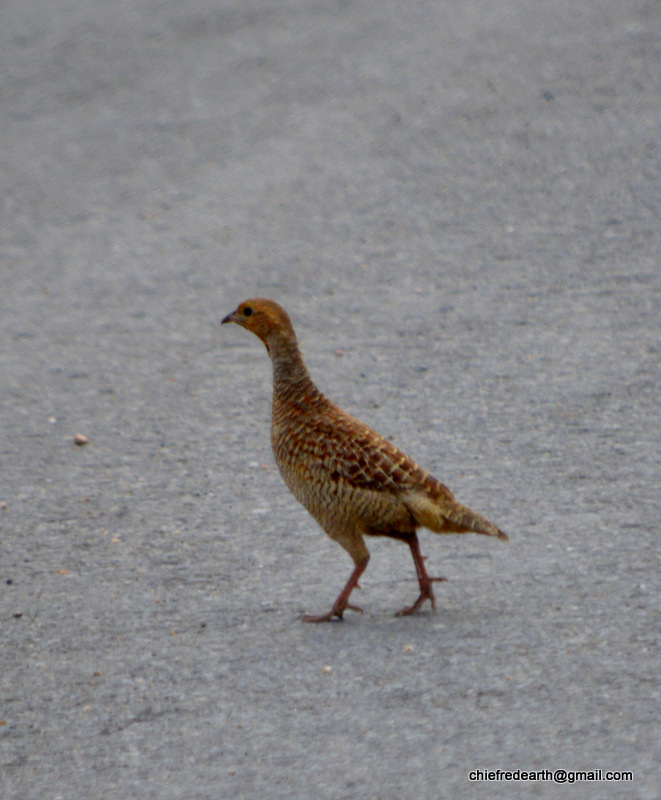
pixel 233 317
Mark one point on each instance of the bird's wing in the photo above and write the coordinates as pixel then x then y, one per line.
pixel 350 451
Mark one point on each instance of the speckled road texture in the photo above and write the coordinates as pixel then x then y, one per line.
pixel 458 204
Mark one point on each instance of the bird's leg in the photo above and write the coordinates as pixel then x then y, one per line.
pixel 426 591
pixel 342 602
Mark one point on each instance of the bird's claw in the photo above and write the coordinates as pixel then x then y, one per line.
pixel 320 617
pixel 334 613
pixel 426 593
pixel 412 609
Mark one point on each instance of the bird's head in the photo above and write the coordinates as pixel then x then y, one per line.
pixel 265 318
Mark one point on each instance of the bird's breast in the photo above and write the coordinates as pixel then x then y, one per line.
pixel 333 500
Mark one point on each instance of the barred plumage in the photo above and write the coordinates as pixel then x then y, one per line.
pixel 352 480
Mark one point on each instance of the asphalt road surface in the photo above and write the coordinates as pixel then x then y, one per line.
pixel 459 204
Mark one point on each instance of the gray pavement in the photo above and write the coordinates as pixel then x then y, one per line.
pixel 458 203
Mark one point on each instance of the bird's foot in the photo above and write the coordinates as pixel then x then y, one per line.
pixel 426 593
pixel 331 615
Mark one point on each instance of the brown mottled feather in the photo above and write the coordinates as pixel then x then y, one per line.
pixel 352 480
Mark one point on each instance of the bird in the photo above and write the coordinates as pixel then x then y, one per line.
pixel 353 481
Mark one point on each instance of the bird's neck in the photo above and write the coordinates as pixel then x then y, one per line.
pixel 291 380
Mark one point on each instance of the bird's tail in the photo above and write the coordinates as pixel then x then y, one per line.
pixel 470 521
pixel 443 514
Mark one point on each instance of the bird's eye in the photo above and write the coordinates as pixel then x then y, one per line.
pixel 247 311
